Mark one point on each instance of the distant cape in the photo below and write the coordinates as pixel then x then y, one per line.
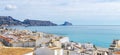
pixel 10 21
pixel 38 23
pixel 66 23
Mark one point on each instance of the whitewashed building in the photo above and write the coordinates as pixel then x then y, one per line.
pixel 88 46
pixel 64 39
pixel 40 41
pixel 23 44
pixel 48 51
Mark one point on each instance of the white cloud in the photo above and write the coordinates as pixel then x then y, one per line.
pixel 10 7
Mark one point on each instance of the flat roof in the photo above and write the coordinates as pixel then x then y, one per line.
pixel 14 50
pixel 117 52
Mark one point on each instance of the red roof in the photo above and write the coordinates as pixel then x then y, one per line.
pixel 117 52
pixel 6 39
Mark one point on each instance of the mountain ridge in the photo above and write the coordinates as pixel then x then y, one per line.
pixel 10 21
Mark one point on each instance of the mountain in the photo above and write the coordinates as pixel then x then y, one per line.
pixel 38 23
pixel 8 21
pixel 67 24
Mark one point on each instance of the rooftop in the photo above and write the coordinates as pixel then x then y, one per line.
pixel 117 52
pixel 6 39
pixel 14 51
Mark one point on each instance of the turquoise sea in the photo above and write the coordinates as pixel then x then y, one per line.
pixel 99 35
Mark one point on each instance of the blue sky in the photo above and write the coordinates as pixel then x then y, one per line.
pixel 79 12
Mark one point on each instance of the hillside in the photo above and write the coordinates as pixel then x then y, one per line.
pixel 8 21
pixel 38 23
pixel 67 24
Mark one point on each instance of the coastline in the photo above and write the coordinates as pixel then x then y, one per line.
pixel 41 41
pixel 79 32
pixel 52 33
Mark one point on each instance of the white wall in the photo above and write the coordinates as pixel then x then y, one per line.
pixel 32 44
pixel 20 44
pixel 24 44
pixel 41 41
pixel 64 39
pixel 43 51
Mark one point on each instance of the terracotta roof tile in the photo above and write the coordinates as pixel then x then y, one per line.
pixel 6 39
